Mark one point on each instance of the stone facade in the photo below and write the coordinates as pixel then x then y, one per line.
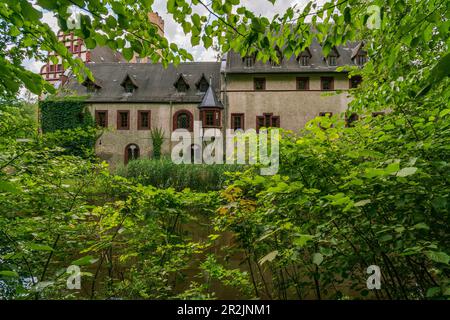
pixel 281 98
pixel 131 99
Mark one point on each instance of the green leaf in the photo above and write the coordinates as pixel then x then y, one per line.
pixel 6 186
pixel 362 203
pixel 128 53
pixel 84 261
pixel 10 274
pixel 39 247
pixel 406 171
pixel 302 240
pixel 347 15
pixel 317 258
pixel 268 257
pixel 440 257
pixel 432 292
pixel 28 12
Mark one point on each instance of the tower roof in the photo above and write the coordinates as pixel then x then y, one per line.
pixel 210 99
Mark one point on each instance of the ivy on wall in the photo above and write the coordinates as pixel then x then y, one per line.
pixel 69 124
pixel 64 115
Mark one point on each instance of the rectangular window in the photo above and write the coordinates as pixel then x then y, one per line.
pixel 327 83
pixel 249 62
pixel 237 121
pixel 303 83
pixel 267 121
pixel 144 119
pixel 123 120
pixel 304 61
pixel 332 60
pixel 211 118
pixel 101 118
pixel 129 88
pixel 259 84
pixel 361 59
pixel 355 81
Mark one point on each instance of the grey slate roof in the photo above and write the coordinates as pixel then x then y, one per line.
pixel 102 54
pixel 235 64
pixel 210 100
pixel 156 84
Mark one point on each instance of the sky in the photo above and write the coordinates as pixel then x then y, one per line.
pixel 174 32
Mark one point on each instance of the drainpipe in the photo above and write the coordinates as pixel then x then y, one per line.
pixel 170 125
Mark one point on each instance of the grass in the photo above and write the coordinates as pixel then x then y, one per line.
pixel 163 173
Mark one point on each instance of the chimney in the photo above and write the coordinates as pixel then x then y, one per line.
pixel 155 19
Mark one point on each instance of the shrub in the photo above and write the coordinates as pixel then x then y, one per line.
pixel 163 173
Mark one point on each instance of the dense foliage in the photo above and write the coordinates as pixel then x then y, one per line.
pixel 163 173
pixel 69 124
pixel 375 193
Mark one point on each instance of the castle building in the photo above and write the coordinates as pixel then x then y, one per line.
pixel 55 73
pixel 129 99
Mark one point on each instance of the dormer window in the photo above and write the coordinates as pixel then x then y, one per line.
pixel 279 55
pixel 181 84
pixel 332 60
pixel 332 57
pixel 304 61
pixel 361 59
pixel 91 86
pixel 203 84
pixel 129 84
pixel 304 58
pixel 129 88
pixel 249 61
pixel 359 55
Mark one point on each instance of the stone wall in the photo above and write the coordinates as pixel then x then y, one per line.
pixel 281 98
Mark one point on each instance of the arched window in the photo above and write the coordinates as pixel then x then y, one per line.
pixel 132 152
pixel 183 119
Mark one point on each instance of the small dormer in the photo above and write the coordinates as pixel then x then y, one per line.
pixel 359 55
pixel 202 84
pixel 333 57
pixel 279 55
pixel 91 86
pixel 129 84
pixel 181 84
pixel 249 60
pixel 304 58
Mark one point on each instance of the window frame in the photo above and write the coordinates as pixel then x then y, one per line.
pixel 255 81
pixel 332 60
pixel 119 120
pixel 240 116
pixel 273 119
pixel 249 61
pixel 139 124
pixel 297 81
pixel 358 82
pixel 190 118
pixel 97 118
pixel 323 79
pixel 361 59
pixel 217 118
